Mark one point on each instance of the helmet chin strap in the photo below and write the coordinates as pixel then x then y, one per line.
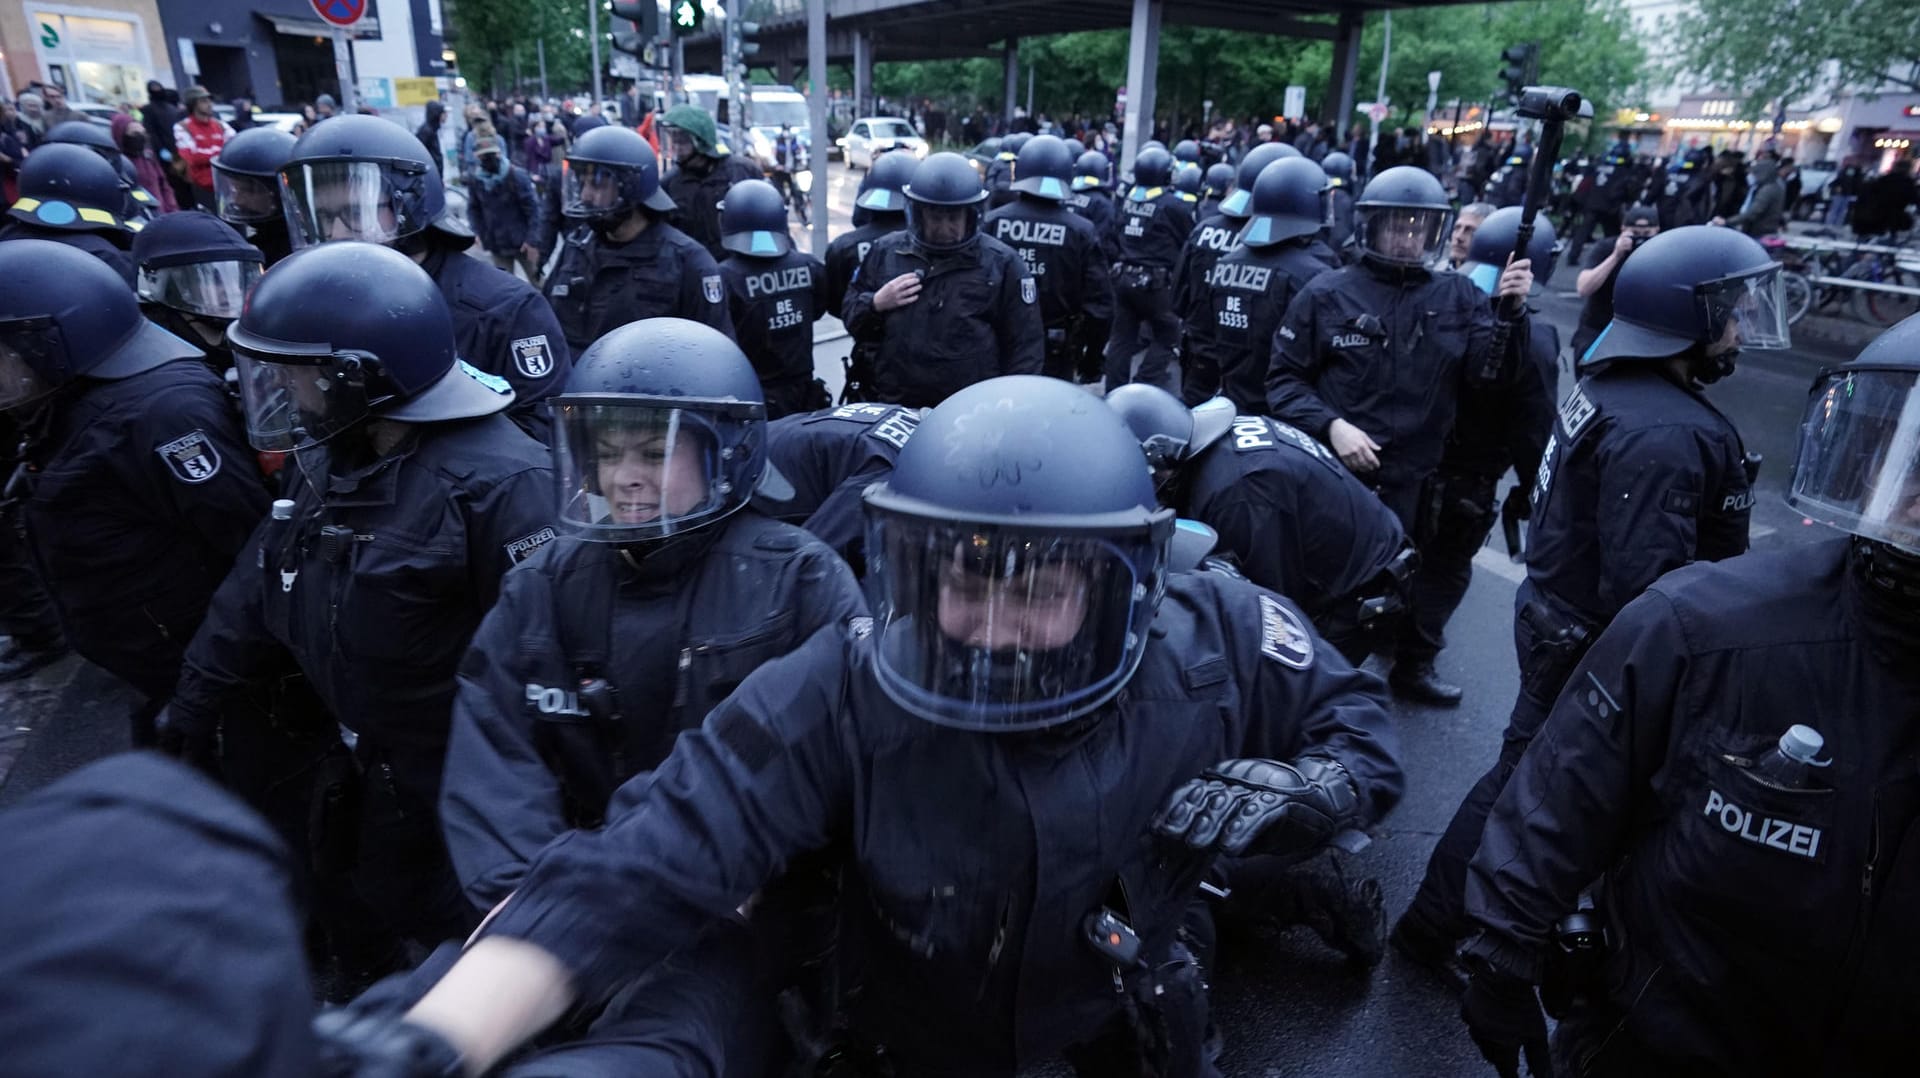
pixel 1706 369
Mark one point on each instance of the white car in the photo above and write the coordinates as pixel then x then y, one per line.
pixel 875 135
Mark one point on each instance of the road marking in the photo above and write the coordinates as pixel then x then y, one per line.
pixel 1496 562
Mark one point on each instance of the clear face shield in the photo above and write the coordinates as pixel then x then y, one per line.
pixel 630 469
pixel 245 200
pixel 593 191
pixel 994 628
pixel 345 200
pixel 299 399
pixel 1402 235
pixel 27 347
pixel 1858 464
pixel 943 228
pixel 208 289
pixel 1748 311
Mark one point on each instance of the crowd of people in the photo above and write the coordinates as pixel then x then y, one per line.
pixel 592 694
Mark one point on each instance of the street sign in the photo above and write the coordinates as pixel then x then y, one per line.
pixel 1376 111
pixel 376 92
pixel 1296 102
pixel 623 65
pixel 341 13
pixel 410 92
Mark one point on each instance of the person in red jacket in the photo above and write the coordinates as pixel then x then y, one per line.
pixel 199 138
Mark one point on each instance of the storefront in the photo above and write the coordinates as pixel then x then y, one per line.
pixel 1873 132
pixel 1714 123
pixel 99 53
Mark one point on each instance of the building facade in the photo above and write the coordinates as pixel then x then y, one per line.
pixel 279 54
pixel 98 51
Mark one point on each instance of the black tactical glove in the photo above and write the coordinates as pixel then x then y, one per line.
pixel 1261 806
pixel 354 1045
pixel 1504 1017
pixel 184 737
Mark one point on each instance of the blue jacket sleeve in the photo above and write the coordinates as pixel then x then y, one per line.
pixel 1652 486
pixel 1295 369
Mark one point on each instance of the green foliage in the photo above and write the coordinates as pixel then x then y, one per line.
pixel 1771 52
pixel 494 34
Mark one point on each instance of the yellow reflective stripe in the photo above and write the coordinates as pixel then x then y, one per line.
pixel 135 226
pixel 98 217
pixel 27 204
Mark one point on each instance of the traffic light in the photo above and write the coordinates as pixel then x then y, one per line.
pixel 685 17
pixel 1519 67
pixel 645 16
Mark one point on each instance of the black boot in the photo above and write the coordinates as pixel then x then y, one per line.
pixel 1431 950
pixel 1416 680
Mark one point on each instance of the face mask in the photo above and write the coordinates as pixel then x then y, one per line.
pixel 136 144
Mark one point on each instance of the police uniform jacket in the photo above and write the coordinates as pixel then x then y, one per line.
pixel 1508 424
pixel 1062 255
pixel 847 250
pixel 1151 228
pixel 142 493
pixel 977 317
pixel 829 457
pixel 1097 207
pixel 1209 240
pixel 503 326
pixel 1755 930
pixel 1641 476
pixel 774 303
pixel 971 860
pixel 1236 308
pixel 596 286
pixel 530 760
pixel 376 584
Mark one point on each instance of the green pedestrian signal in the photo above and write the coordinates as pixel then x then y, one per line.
pixel 687 16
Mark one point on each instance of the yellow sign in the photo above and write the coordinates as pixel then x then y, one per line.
pixel 414 92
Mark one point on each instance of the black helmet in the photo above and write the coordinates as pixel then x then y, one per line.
pixel 1858 463
pixel 944 179
pixel 358 178
pixel 71 189
pixel 1339 169
pixel 195 263
pixel 1169 431
pixel 65 313
pixel 1289 201
pixel 1076 148
pixel 246 175
pixel 609 173
pixel 1092 171
pixel 1152 144
pixel 1044 168
pixel 1010 145
pixel 1219 179
pixel 1239 201
pixel 1682 288
pixel 1188 180
pixel 84 133
pixel 1017 556
pixel 753 220
pixel 1187 150
pixel 1151 169
pixel 883 187
pixel 1403 219
pixel 1493 243
pixel 640 402
pixel 381 344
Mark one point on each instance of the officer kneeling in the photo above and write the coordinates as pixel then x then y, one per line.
pixel 991 753
pixel 1734 762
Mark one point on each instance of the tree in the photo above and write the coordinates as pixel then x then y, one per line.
pixel 496 35
pixel 1771 53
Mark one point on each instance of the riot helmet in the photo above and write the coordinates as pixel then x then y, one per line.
pixel 944 203
pixel 1188 180
pixel 1092 172
pixel 1339 169
pixel 1493 243
pixel 1402 220
pixel 1219 180
pixel 65 314
pixel 197 269
pixel 610 173
pixel 1290 200
pixel 1699 290
pixel 344 331
pixel 1240 199
pixel 246 175
pixel 85 133
pixel 71 189
pixel 753 220
pixel 1187 152
pixel 1044 168
pixel 1075 147
pixel 883 187
pixel 1151 169
pixel 1152 144
pixel 1169 432
pixel 358 178
pixel 1011 145
pixel 662 429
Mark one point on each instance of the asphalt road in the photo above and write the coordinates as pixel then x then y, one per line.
pixel 1288 1005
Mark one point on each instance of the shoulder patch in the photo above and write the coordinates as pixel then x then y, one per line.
pixel 533 356
pixel 522 548
pixel 1302 440
pixel 1287 332
pixel 896 428
pixel 1283 636
pixel 191 457
pixel 1576 412
pixel 1028 291
pixel 711 288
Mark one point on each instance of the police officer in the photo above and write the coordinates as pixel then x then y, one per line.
pixel 1186 152
pixel 1510 182
pixel 1153 227
pixel 879 208
pixel 775 295
pixel 1218 181
pixel 246 188
pixel 1211 238
pixel 1284 508
pixel 1602 192
pixel 1190 182
pixel 140 205
pixel 1092 198
pixel 1602 268
pixel 1061 252
pixel 1247 292
pixel 827 459
pixel 1641 476
pixel 140 488
pixel 704 170
pixel 941 305
pixel 69 196
pixel 1754 917
pixel 628 263
pixel 1371 359
pixel 365 178
pixel 195 271
pixel 999 178
pixel 989 623
pixel 1339 169
pixel 412 494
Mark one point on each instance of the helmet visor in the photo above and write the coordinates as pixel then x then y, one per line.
pixel 590 189
pixel 994 628
pixel 943 228
pixel 244 200
pixel 631 469
pixel 296 402
pixel 1858 465
pixel 347 200
pixel 213 289
pixel 1402 235
pixel 27 348
pixel 1752 306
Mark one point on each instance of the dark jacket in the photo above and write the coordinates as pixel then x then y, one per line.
pixel 697 191
pixel 505 213
pixel 597 286
pixel 1152 227
pixel 1097 207
pixel 107 250
pixel 774 303
pixel 849 249
pixel 1235 310
pixel 830 457
pixel 502 326
pixel 1062 253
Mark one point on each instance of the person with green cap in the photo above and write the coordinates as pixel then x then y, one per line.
pixel 703 170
